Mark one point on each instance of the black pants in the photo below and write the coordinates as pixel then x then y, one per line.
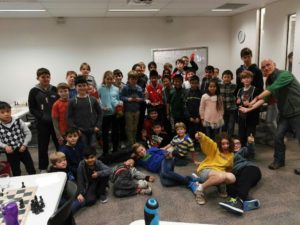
pixel 246 178
pixel 121 128
pixel 140 126
pixel 44 131
pixel 193 128
pixel 96 188
pixel 110 122
pixel 245 129
pixel 16 157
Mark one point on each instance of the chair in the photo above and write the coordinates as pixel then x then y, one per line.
pixel 63 215
pixel 31 119
pixel 32 125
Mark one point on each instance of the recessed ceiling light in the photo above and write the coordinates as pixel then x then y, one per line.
pixel 22 10
pixel 221 10
pixel 134 10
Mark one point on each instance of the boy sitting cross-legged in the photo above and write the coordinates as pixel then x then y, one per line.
pixel 92 178
pixel 180 145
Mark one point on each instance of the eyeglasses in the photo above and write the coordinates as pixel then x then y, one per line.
pixel 237 143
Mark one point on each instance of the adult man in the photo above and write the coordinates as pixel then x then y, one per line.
pixel 285 88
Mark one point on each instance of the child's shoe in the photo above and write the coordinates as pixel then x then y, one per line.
pixel 143 184
pixel 194 178
pixel 234 205
pixel 251 204
pixel 200 199
pixel 147 191
pixel 222 191
pixel 103 198
pixel 193 186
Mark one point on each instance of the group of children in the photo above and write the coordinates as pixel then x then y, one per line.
pixel 180 114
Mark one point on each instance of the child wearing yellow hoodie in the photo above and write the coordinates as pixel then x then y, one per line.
pixel 217 164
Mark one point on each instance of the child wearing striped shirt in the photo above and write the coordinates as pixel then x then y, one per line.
pixel 180 145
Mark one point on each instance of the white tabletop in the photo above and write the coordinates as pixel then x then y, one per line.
pixel 49 185
pixel 19 111
pixel 142 222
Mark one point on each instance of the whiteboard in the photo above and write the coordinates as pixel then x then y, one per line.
pixel 162 56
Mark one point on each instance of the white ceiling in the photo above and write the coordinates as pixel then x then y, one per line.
pixel 99 8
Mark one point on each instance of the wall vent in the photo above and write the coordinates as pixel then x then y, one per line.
pixel 139 2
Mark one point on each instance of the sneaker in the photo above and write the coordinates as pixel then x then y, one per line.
pixel 193 186
pixel 200 199
pixel 234 205
pixel 143 184
pixel 275 165
pixel 194 178
pixel 103 199
pixel 43 171
pixel 297 171
pixel 222 191
pixel 147 191
pixel 251 204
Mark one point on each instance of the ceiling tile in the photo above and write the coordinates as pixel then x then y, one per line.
pixel 20 5
pixel 99 8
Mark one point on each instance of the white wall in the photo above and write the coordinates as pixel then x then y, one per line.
pixel 296 58
pixel 275 30
pixel 105 43
pixel 243 22
pixel 274 36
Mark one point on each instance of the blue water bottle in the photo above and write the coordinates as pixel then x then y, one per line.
pixel 151 212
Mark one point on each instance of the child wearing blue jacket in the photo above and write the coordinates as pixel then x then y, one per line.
pixel 132 96
pixel 73 150
pixel 109 95
pixel 161 161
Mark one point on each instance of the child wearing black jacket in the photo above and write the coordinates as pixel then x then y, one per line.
pixel 40 101
pixel 247 121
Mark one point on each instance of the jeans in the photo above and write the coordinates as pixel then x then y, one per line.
pixel 168 177
pixel 229 121
pixel 88 138
pixel 284 125
pixel 212 133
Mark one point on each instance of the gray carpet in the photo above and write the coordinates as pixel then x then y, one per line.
pixel 278 192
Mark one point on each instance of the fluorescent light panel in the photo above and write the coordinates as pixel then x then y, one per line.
pixel 221 10
pixel 22 10
pixel 134 10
